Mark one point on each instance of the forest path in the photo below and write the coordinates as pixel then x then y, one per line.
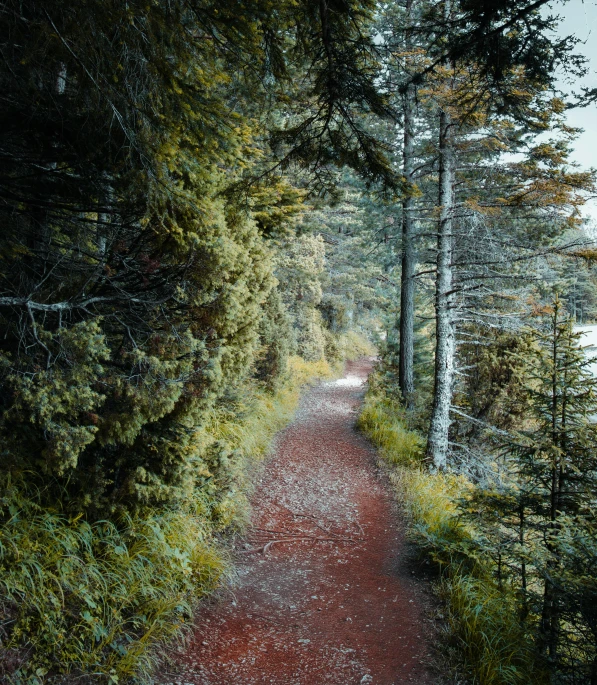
pixel 325 591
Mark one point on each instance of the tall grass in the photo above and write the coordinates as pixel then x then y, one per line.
pixel 92 601
pixel 482 621
pixel 82 598
pixel 491 644
pixel 354 345
pixel 382 420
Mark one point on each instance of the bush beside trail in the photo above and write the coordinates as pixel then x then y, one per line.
pixel 92 601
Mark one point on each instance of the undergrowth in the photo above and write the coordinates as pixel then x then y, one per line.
pixel 92 601
pixel 484 634
pixel 382 420
pixel 354 346
pixel 92 598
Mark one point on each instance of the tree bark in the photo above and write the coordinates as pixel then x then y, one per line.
pixel 407 278
pixel 549 624
pixel 445 347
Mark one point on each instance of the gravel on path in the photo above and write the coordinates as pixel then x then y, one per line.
pixel 326 593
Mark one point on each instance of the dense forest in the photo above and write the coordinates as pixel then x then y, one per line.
pixel 207 205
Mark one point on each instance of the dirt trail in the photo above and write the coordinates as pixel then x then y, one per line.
pixel 326 594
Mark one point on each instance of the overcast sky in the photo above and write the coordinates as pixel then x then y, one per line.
pixel 580 19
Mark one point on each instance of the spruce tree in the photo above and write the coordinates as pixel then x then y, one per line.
pixel 545 502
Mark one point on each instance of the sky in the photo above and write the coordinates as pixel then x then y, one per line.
pixel 580 19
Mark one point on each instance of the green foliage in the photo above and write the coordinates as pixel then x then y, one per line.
pixel 355 345
pixel 54 410
pixel 490 643
pixel 335 313
pixel 577 545
pixel 79 598
pixel 387 375
pixel 493 390
pixel 299 266
pixel 154 159
pixel 138 209
pixel 542 509
pixel 275 338
pixel 302 372
pixel 83 598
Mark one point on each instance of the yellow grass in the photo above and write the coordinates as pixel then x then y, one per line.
pixel 481 619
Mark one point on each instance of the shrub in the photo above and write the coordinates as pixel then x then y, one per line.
pixel 91 601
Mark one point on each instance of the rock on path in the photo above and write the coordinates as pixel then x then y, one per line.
pixel 325 593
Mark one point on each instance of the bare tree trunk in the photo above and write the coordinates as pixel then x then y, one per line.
pixel 61 79
pixel 407 278
pixel 445 347
pixel 550 622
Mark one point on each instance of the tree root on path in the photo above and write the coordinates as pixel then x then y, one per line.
pixel 269 544
pixel 317 520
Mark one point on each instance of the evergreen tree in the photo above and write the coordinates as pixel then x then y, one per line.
pixel 135 262
pixel 557 457
pixel 539 520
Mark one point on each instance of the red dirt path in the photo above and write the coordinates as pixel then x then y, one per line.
pixel 338 604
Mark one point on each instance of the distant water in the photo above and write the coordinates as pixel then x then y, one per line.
pixel 588 342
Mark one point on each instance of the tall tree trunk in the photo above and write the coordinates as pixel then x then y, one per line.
pixel 550 622
pixel 445 346
pixel 407 278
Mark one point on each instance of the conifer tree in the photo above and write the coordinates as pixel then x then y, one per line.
pixel 558 455
pixel 136 265
pixel 539 520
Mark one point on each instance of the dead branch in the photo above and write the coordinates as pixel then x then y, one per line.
pixel 317 520
pixel 269 544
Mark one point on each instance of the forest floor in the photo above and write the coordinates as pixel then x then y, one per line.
pixel 327 589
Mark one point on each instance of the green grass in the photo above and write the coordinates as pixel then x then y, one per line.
pixel 482 626
pixel 382 420
pixel 482 622
pixel 96 601
pixel 92 598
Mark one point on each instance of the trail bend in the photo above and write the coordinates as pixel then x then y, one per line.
pixel 326 594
